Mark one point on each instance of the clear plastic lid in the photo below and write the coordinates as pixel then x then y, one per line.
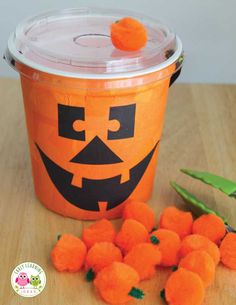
pixel 76 43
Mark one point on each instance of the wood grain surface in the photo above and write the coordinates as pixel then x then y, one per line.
pixel 199 133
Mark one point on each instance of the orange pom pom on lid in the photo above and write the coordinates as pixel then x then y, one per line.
pixel 128 34
pixel 198 242
pixel 210 226
pixel 168 243
pixel 100 256
pixel 141 212
pixel 116 283
pixel 69 253
pixel 184 287
pixel 100 231
pixel 228 251
pixel 143 258
pixel 200 262
pixel 131 233
pixel 176 220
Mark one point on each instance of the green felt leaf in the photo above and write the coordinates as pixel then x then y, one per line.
pixel 154 240
pixel 90 275
pixel 136 293
pixel 174 268
pixel 224 185
pixel 195 205
pixel 163 295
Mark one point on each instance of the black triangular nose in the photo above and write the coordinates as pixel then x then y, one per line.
pixel 96 152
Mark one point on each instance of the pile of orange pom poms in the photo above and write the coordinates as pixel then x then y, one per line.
pixel 118 261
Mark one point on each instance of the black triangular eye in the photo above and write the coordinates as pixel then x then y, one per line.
pixel 126 117
pixel 67 115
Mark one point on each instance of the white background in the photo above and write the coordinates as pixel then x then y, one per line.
pixel 206 27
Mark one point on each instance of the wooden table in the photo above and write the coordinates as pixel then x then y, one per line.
pixel 199 133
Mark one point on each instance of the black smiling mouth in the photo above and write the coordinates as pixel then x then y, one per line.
pixel 109 190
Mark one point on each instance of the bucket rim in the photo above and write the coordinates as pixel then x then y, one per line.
pixel 13 55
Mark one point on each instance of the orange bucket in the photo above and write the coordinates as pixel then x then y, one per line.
pixel 94 114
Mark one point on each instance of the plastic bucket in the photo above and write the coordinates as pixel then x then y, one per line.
pixel 94 124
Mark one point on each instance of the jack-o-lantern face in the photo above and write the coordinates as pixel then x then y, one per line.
pixel 94 142
pixel 110 190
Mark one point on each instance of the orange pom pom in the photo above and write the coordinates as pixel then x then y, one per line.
pixel 101 230
pixel 228 251
pixel 141 212
pixel 69 253
pixel 143 258
pixel 211 226
pixel 198 242
pixel 184 287
pixel 168 242
pixel 115 283
pixel 176 220
pixel 101 255
pixel 131 233
pixel 128 34
pixel 201 263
